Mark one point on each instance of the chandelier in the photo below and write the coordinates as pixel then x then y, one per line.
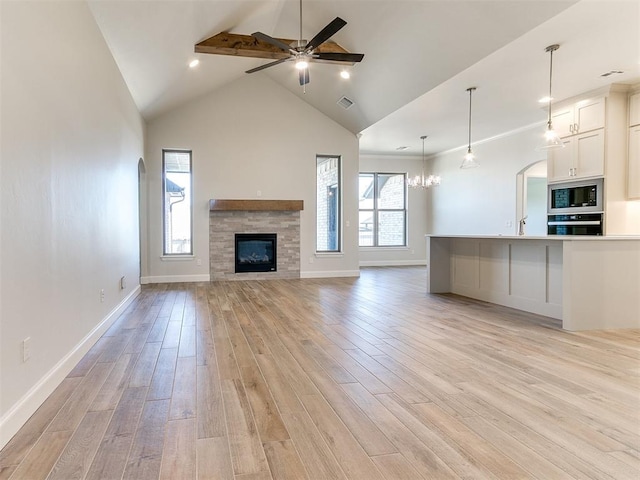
pixel 422 181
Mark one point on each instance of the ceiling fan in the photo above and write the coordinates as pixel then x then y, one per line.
pixel 261 45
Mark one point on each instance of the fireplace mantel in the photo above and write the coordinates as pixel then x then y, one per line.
pixel 256 205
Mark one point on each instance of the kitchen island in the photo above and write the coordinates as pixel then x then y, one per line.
pixel 586 282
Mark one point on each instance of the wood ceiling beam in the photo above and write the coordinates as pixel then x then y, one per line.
pixel 234 44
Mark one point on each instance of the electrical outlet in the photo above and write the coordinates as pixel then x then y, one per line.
pixel 413 251
pixel 26 349
pixel 509 223
pixel 348 223
pixel 123 283
pixel 199 262
pixel 310 259
pixel 102 295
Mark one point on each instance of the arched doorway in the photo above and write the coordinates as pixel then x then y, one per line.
pixel 531 201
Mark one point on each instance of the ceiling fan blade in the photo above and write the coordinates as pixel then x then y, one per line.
pixel 267 65
pixel 263 37
pixel 304 76
pixel 326 33
pixel 340 57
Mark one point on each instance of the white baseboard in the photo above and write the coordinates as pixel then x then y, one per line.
pixel 330 274
pixel 393 263
pixel 17 415
pixel 175 279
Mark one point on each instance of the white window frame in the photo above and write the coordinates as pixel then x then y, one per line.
pixel 165 253
pixel 338 207
pixel 376 210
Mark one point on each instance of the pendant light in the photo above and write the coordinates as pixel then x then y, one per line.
pixel 422 181
pixel 469 159
pixel 551 138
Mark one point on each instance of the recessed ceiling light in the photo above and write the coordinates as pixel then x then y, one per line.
pixel 404 147
pixel 546 99
pixel 345 74
pixel 194 63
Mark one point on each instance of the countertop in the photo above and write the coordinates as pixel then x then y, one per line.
pixel 542 237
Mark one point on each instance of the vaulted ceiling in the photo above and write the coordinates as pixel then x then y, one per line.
pixel 420 57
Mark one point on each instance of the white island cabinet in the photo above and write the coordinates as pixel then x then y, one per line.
pixel 589 283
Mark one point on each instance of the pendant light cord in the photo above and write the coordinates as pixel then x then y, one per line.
pixel 550 79
pixel 550 49
pixel 423 137
pixel 470 90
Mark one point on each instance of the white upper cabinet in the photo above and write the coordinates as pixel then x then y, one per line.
pixel 589 154
pixel 562 120
pixel 581 117
pixel 582 157
pixel 581 127
pixel 560 162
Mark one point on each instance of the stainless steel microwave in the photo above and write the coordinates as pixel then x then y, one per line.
pixel 583 196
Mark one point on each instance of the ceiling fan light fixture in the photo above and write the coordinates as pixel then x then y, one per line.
pixel 194 63
pixel 302 52
pixel 302 63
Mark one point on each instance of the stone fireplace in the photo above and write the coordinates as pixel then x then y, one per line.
pixel 230 217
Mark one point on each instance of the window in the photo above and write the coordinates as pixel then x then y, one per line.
pixel 328 204
pixel 176 181
pixel 383 211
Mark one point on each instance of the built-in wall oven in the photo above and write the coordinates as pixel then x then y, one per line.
pixel 576 208
pixel 575 224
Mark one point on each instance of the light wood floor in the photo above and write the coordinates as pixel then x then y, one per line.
pixel 367 378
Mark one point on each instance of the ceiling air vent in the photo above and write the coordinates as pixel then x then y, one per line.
pixel 345 103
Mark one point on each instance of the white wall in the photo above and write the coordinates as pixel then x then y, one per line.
pixel 252 135
pixel 71 140
pixel 481 200
pixel 536 192
pixel 415 252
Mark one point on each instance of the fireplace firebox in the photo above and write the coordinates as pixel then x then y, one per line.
pixel 256 252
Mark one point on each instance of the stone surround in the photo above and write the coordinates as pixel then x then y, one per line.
pixel 224 224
